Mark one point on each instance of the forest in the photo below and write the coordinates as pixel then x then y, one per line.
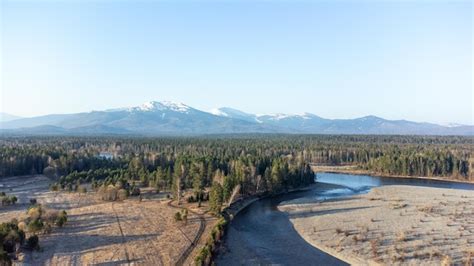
pixel 256 163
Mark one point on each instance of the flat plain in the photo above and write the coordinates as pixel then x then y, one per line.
pixel 133 231
pixel 391 225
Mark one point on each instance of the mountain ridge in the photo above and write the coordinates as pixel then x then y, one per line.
pixel 171 118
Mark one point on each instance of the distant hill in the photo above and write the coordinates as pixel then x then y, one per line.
pixel 169 118
pixel 4 117
pixel 310 123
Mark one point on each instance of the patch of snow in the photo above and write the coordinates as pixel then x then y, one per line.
pixel 161 106
pixel 218 112
pixel 281 116
pixel 148 106
pixel 178 107
pixel 452 125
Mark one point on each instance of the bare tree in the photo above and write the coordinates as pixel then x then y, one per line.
pixel 235 191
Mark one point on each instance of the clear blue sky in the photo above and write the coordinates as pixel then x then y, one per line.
pixel 337 59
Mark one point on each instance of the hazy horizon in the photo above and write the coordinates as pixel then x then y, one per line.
pixel 213 111
pixel 408 60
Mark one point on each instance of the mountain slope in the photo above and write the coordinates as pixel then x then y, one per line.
pixel 168 118
pixel 152 118
pixel 4 117
pixel 311 124
pixel 234 113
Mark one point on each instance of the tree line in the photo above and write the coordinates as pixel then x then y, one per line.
pixel 244 159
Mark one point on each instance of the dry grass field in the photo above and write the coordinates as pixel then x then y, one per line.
pixel 391 225
pixel 108 233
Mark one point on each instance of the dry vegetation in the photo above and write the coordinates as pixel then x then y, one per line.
pixel 130 231
pixel 392 225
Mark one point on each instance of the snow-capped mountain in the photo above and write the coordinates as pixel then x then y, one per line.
pixel 154 106
pixel 151 118
pixel 260 118
pixel 170 118
pixel 301 122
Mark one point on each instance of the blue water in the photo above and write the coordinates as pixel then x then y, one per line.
pixel 262 235
pixel 358 184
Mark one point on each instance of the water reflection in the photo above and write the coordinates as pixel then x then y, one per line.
pixel 363 183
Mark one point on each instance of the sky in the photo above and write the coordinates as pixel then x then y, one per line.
pixel 337 59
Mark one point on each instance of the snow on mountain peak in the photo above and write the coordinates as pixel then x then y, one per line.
pixel 175 106
pixel 162 106
pixel 148 106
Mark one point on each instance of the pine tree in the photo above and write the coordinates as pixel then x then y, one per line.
pixel 216 197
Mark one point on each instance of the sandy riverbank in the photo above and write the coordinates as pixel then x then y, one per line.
pixel 390 225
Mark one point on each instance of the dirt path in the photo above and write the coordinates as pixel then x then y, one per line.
pixel 193 243
pixel 121 233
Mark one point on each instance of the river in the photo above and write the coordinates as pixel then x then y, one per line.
pixel 261 234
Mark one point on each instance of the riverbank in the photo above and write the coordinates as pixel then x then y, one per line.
pixel 262 235
pixel 390 225
pixel 235 208
pixel 353 170
pixel 213 244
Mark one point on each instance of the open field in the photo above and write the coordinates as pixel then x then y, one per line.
pixel 391 225
pixel 137 232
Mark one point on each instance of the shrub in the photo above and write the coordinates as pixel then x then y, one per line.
pixel 5 201
pixel 184 216
pixel 61 219
pixel 205 254
pixel 32 242
pixel 4 259
pixel 8 200
pixel 35 226
pixel 82 189
pixel 10 236
pixel 22 226
pixel 191 199
pixel 122 194
pixel 35 212
pixel 54 187
pixel 135 192
pixel 49 172
pixel 203 257
pixel 177 216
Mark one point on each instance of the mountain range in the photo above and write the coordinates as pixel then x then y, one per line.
pixel 170 118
